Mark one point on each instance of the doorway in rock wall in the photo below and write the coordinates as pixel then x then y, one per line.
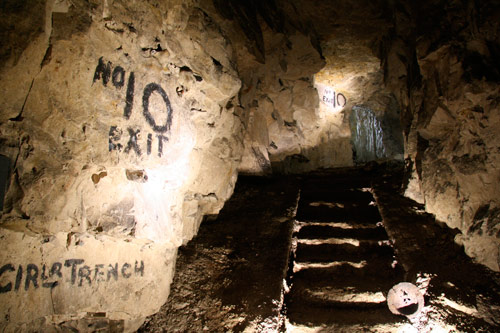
pixel 375 135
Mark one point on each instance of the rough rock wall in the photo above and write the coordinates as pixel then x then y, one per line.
pixel 276 61
pixel 301 77
pixel 441 61
pixel 285 131
pixel 121 127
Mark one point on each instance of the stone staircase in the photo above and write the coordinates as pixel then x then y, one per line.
pixel 343 262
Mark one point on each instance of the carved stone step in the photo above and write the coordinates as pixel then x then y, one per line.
pixel 366 276
pixel 313 314
pixel 344 250
pixel 337 195
pixel 325 231
pixel 326 213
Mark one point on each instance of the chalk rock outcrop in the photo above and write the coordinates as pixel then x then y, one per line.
pixel 447 83
pixel 120 122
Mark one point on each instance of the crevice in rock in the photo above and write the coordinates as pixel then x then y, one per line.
pixel 112 26
pixel 217 64
pixel 152 50
pixel 19 117
pixel 48 56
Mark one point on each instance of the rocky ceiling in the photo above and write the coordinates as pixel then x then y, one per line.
pixel 124 123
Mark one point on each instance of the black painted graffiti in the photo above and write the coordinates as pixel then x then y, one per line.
pixel 148 90
pixel 105 71
pixel 75 271
pixel 334 99
pixel 129 99
pixel 132 142
pixel 115 134
pixel 102 71
pixel 118 77
pixel 115 137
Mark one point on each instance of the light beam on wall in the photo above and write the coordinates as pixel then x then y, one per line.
pixel 157 198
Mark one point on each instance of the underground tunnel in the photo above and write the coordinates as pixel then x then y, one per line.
pixel 249 166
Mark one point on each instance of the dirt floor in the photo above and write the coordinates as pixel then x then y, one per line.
pixel 237 274
pixel 230 277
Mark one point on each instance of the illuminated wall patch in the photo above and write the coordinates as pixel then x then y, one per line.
pixel 329 97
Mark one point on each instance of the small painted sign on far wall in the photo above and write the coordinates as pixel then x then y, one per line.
pixel 333 99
